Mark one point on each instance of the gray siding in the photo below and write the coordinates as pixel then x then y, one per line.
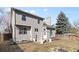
pixel 20 37
pixel 31 34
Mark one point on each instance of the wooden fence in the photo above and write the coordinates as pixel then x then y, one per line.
pixel 68 36
pixel 4 37
pixel 1 38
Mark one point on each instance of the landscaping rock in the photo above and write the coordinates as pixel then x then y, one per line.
pixel 57 49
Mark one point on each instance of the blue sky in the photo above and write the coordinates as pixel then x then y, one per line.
pixel 71 12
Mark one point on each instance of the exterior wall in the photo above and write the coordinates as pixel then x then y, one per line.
pixel 40 30
pixel 20 37
pixel 31 34
pixel 44 33
pixel 49 33
pixel 19 20
pixel 53 33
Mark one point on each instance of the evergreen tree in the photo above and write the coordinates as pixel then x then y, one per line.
pixel 62 25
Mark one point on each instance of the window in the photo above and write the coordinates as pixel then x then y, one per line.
pixel 44 33
pixel 25 31
pixel 22 31
pixel 38 21
pixel 23 17
pixel 36 29
pixel 44 29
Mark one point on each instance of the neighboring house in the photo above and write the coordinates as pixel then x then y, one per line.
pixel 48 32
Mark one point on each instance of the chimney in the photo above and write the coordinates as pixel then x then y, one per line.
pixel 48 20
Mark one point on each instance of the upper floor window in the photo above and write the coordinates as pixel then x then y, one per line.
pixel 38 21
pixel 23 17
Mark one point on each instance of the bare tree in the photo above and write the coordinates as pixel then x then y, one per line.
pixel 1 14
pixel 4 21
pixel 76 23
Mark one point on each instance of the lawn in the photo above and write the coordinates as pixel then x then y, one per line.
pixel 69 45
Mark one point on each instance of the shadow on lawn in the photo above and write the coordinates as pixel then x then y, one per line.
pixel 5 47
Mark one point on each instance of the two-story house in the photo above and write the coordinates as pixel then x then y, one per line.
pixel 26 26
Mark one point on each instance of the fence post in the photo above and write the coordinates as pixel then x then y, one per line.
pixel 1 38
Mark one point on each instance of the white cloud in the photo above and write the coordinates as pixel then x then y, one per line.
pixel 26 11
pixel 32 11
pixel 4 10
pixel 45 10
pixel 7 9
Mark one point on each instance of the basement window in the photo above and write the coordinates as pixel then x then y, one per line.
pixel 36 29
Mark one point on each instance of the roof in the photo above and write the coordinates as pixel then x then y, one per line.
pixel 48 26
pixel 29 14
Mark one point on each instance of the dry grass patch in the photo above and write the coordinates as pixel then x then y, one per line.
pixel 69 45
